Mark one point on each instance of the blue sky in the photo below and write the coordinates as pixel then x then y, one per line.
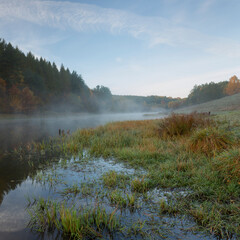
pixel 134 47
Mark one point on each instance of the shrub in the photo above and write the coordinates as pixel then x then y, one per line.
pixel 209 141
pixel 228 165
pixel 181 124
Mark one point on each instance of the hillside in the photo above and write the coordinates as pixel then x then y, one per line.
pixel 228 103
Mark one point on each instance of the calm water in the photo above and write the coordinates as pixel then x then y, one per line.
pixel 16 131
pixel 18 181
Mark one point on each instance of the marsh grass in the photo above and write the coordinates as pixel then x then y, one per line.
pixel 185 155
pixel 215 219
pixel 48 216
pixel 210 141
pixel 139 185
pixel 113 179
pixel 118 198
pixel 182 124
pixel 169 208
pixel 122 199
pixel 74 189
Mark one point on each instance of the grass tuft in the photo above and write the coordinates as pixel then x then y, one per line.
pixel 49 216
pixel 210 141
pixel 181 124
pixel 113 179
pixel 139 185
pixel 228 165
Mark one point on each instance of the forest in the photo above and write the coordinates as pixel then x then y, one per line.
pixel 29 84
pixel 207 92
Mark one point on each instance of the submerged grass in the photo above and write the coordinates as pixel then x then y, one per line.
pixel 113 179
pixel 123 200
pixel 139 185
pixel 48 216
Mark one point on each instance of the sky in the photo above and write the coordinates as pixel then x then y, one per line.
pixel 134 47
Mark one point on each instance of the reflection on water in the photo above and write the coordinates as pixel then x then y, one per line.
pixel 14 217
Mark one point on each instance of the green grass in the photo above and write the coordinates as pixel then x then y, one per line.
pixel 139 185
pixel 48 216
pixel 113 179
pixel 74 189
pixel 228 103
pixel 123 200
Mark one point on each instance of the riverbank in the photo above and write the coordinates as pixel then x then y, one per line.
pixel 190 154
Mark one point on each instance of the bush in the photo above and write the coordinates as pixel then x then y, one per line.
pixel 209 141
pixel 182 124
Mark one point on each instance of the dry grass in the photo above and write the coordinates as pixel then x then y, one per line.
pixel 182 124
pixel 209 141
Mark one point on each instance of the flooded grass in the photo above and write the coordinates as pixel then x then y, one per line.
pixel 139 185
pixel 72 223
pixel 181 161
pixel 125 180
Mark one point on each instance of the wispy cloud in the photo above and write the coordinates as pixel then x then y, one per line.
pixel 90 18
pixel 84 17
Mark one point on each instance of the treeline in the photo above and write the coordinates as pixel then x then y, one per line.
pixel 30 84
pixel 140 103
pixel 207 92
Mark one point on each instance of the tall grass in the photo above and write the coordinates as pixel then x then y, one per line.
pixel 210 141
pixel 92 223
pixel 182 124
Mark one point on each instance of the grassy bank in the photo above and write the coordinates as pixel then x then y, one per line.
pixel 228 103
pixel 194 153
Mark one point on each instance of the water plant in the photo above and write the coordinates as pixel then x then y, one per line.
pixel 123 200
pixel 112 179
pixel 117 197
pixel 139 185
pixel 50 216
pixel 74 189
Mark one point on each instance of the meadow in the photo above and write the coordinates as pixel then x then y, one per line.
pixel 194 158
